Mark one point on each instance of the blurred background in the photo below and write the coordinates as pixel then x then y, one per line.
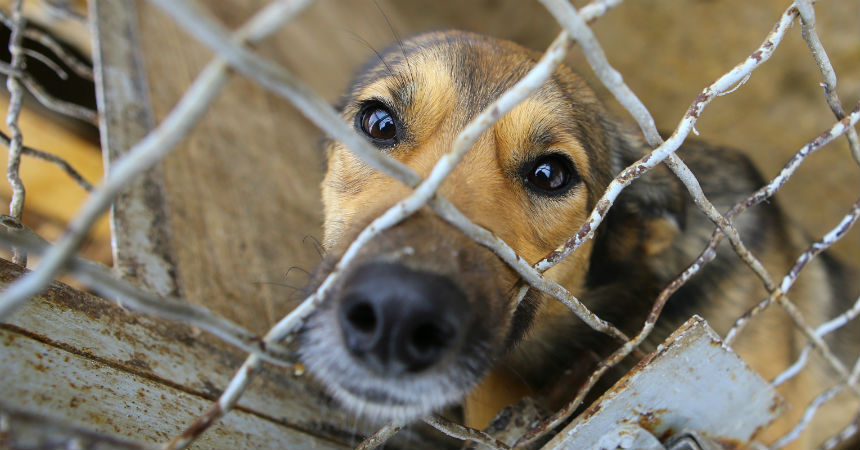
pixel 239 226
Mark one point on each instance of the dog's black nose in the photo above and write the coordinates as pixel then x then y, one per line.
pixel 396 320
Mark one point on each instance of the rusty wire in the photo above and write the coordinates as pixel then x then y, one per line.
pixel 61 163
pixel 233 52
pixel 821 331
pixel 850 381
pixel 807 15
pixel 841 437
pixel 16 98
pixel 465 433
pixel 380 437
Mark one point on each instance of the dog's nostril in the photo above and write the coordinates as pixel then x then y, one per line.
pixel 425 344
pixel 362 317
pixel 427 339
pixel 360 324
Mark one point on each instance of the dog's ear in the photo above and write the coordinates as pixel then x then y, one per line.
pixel 647 216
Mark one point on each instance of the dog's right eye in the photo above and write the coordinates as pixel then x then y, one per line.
pixel 377 123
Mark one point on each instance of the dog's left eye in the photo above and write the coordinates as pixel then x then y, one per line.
pixel 550 174
pixel 377 122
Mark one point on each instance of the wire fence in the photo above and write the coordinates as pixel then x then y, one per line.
pixel 234 53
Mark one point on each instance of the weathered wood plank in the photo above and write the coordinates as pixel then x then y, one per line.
pixel 139 224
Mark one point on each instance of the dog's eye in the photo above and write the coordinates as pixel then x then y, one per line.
pixel 551 174
pixel 378 123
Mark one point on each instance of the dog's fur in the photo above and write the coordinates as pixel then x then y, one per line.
pixel 433 85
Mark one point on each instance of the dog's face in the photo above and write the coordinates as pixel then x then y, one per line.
pixel 423 312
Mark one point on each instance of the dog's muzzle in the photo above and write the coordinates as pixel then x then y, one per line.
pixel 412 324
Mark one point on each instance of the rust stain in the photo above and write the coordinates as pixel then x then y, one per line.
pixel 666 434
pixel 586 228
pixel 694 108
pixel 602 207
pixel 200 425
pixel 139 362
pixel 757 55
pixel 651 420
pixel 592 410
pixel 210 389
pixel 730 444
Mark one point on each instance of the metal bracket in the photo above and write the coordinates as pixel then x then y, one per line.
pixel 630 436
pixel 691 382
pixel 692 440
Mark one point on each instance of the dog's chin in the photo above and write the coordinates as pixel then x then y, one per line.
pixel 405 398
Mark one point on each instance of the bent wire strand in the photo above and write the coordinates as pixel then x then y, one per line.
pixel 810 35
pixel 16 98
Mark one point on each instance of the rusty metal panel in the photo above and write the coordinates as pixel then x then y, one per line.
pixel 161 349
pixel 23 430
pixel 692 382
pixel 105 356
pixel 117 403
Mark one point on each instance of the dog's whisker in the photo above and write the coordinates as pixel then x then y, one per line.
pixel 297 268
pixel 317 245
pixel 354 36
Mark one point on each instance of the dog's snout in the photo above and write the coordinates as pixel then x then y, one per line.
pixel 398 320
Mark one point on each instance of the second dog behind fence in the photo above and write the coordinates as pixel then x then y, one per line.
pixel 424 318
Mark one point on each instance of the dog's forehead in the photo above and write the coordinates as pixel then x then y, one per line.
pixel 465 72
pixel 478 69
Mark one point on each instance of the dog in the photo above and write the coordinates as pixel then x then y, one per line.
pixel 425 318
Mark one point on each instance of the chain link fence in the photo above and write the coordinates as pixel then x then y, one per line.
pixel 234 54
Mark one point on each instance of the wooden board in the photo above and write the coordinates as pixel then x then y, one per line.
pixel 140 231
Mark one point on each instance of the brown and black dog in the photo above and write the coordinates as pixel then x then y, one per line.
pixel 425 318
